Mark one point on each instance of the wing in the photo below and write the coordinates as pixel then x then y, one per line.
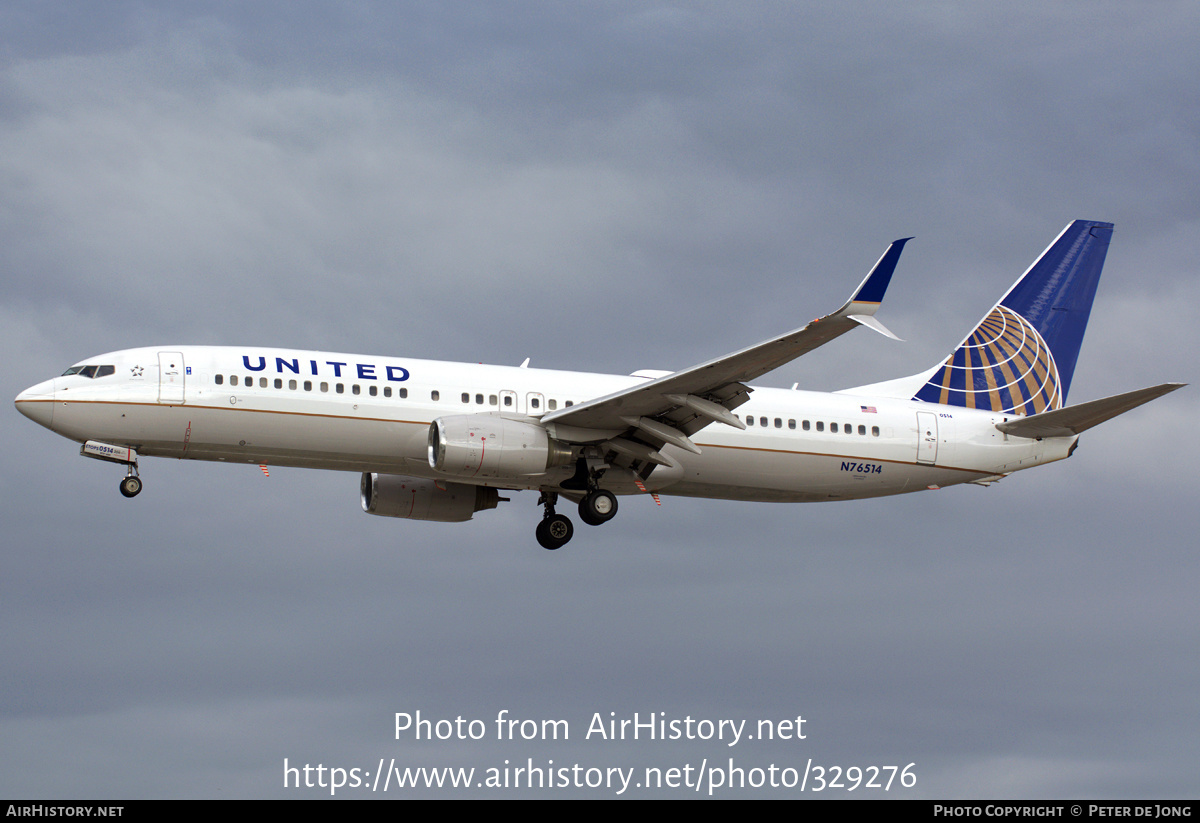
pixel 638 420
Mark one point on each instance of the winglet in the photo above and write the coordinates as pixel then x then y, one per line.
pixel 863 304
pixel 869 295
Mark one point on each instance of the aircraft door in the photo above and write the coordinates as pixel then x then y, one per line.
pixel 534 403
pixel 927 437
pixel 171 374
pixel 508 401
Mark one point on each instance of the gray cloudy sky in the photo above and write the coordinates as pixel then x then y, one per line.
pixel 605 187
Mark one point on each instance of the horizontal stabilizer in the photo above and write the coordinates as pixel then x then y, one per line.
pixel 1075 419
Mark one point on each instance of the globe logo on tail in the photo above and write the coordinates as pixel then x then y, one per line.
pixel 1004 366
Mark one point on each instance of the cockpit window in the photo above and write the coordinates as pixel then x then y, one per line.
pixel 91 371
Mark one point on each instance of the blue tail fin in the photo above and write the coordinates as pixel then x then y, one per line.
pixel 1021 356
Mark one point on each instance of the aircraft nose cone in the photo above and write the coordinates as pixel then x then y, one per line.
pixel 37 403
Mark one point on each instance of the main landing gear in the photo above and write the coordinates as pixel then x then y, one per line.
pixel 597 506
pixel 555 530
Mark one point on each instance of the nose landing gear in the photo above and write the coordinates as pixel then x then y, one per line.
pixel 131 484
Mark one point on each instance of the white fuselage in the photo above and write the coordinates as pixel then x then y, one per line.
pixel 372 414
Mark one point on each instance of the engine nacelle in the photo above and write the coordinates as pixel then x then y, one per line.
pixel 394 495
pixel 487 445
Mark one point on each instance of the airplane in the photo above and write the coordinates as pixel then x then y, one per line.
pixel 440 441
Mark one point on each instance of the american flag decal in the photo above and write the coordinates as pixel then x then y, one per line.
pixel 869 410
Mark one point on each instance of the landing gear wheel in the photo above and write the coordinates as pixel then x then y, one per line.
pixel 554 532
pixel 597 507
pixel 131 485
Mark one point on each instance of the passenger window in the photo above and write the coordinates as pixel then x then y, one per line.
pixel 533 402
pixel 324 387
pixel 435 395
pixel 466 397
pixel 492 400
pixel 339 388
pixel 279 382
pixel 778 423
pixel 806 425
pixel 569 404
pixel 374 391
pixel 749 420
pixel 553 404
pixel 402 393
pixel 233 379
pixel 262 382
pixel 833 428
pixel 218 379
pixel 479 399
pixel 874 431
pixel 862 429
pixel 355 389
pixel 792 424
pixel 249 381
pixel 292 385
pixel 308 385
pixel 387 391
pixel 820 426
pixel 508 399
pixel 762 421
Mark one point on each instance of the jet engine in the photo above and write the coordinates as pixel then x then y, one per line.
pixel 394 495
pixel 485 445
